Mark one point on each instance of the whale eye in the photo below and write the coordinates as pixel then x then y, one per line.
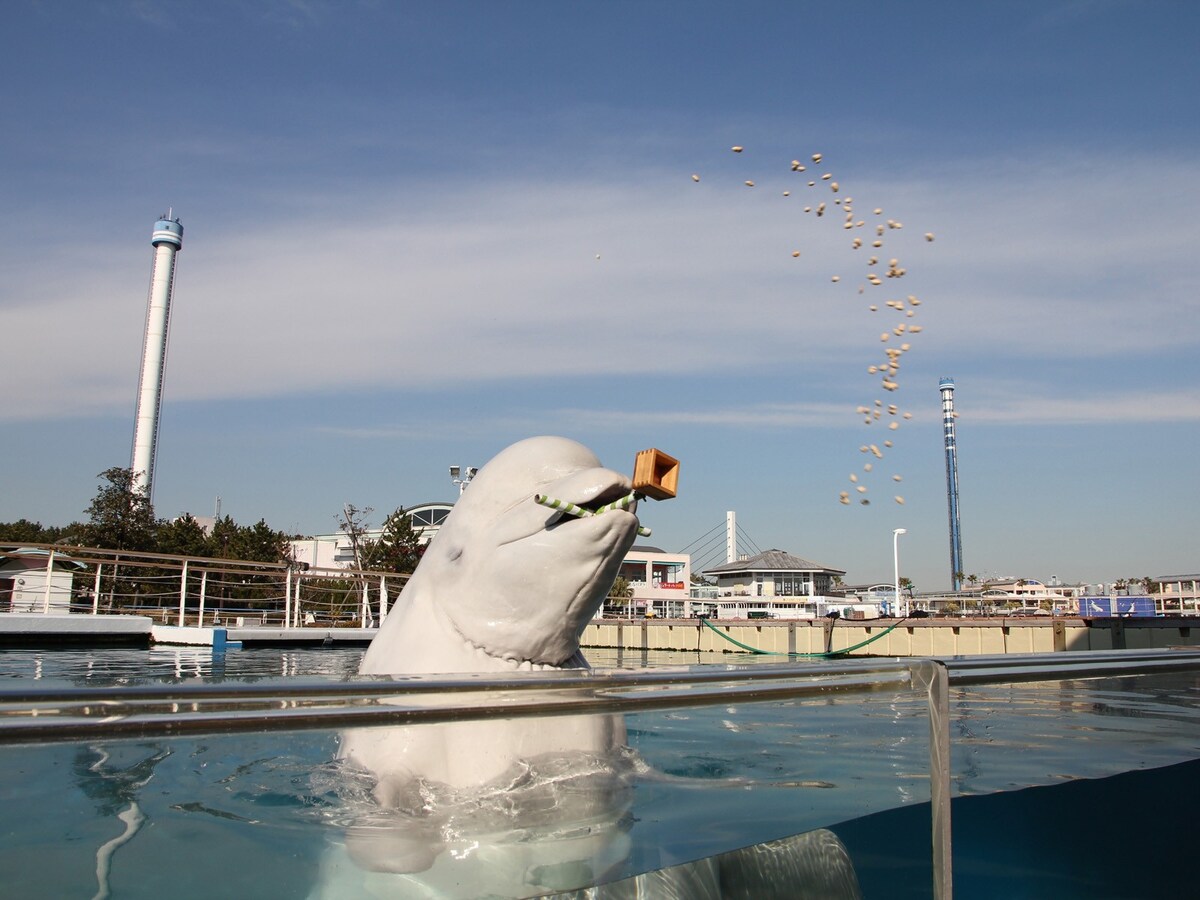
pixel 454 554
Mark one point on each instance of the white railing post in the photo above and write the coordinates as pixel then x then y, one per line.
pixel 182 591
pixel 287 599
pixel 203 593
pixel 96 591
pixel 934 677
pixel 49 581
pixel 365 612
pixel 383 598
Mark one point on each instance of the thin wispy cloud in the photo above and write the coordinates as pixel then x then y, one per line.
pixel 1107 408
pixel 503 281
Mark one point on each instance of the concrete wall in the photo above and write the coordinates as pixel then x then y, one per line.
pixel 916 638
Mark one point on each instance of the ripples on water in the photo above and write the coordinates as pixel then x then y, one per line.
pixel 251 815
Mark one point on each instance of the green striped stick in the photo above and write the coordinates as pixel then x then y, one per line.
pixel 572 510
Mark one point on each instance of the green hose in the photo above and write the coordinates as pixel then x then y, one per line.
pixel 831 653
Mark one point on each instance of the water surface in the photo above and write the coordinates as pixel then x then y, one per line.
pixel 253 815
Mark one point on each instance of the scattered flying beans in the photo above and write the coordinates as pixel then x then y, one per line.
pixel 888 370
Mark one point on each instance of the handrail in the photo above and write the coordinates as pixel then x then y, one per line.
pixel 382 685
pixel 91 713
pixel 70 713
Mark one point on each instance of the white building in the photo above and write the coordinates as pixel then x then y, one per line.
pixel 25 587
pixel 334 551
pixel 774 584
pixel 659 580
pixel 1177 594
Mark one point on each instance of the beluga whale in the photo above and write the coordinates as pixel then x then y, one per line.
pixel 498 807
pixel 528 807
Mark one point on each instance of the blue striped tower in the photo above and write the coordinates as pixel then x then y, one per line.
pixel 946 386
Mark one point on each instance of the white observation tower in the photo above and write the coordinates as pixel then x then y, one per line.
pixel 167 239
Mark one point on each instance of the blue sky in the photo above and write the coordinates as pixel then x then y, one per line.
pixel 415 233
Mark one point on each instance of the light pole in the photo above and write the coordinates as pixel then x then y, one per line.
pixel 462 475
pixel 896 532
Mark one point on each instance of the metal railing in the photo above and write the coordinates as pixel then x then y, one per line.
pixel 31 715
pixel 194 590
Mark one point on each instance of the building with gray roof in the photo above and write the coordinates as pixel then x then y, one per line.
pixel 774 573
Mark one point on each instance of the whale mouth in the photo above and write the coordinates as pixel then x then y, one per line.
pixel 610 494
pixel 519 664
pixel 593 503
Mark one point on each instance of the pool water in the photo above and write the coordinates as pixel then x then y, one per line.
pixel 1058 786
pixel 1123 837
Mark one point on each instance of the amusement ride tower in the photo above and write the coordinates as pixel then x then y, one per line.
pixel 946 386
pixel 167 239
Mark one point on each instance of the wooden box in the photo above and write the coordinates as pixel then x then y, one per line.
pixel 655 474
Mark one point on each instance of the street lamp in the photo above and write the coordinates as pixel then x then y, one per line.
pixel 896 558
pixel 462 475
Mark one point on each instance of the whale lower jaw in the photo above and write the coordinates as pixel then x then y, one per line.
pixel 511 663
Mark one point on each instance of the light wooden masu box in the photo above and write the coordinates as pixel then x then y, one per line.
pixel 655 474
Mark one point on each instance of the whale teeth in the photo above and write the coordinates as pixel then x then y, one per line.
pixel 514 663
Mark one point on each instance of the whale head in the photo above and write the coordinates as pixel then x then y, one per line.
pixel 515 581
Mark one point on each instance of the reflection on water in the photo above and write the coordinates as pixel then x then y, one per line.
pixel 97 668
pixel 260 815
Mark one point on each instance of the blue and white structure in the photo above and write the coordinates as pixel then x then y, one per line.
pixel 946 386
pixel 167 240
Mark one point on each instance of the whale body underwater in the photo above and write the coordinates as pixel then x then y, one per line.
pixel 529 807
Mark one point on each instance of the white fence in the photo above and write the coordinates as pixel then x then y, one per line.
pixel 185 590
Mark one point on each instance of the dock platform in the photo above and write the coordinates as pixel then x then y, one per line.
pixel 38 630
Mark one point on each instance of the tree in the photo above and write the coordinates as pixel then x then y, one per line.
pixel 261 543
pixel 223 538
pixel 121 517
pixel 254 543
pixel 620 593
pixel 23 531
pixel 183 537
pixel 398 548
pixel 353 523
